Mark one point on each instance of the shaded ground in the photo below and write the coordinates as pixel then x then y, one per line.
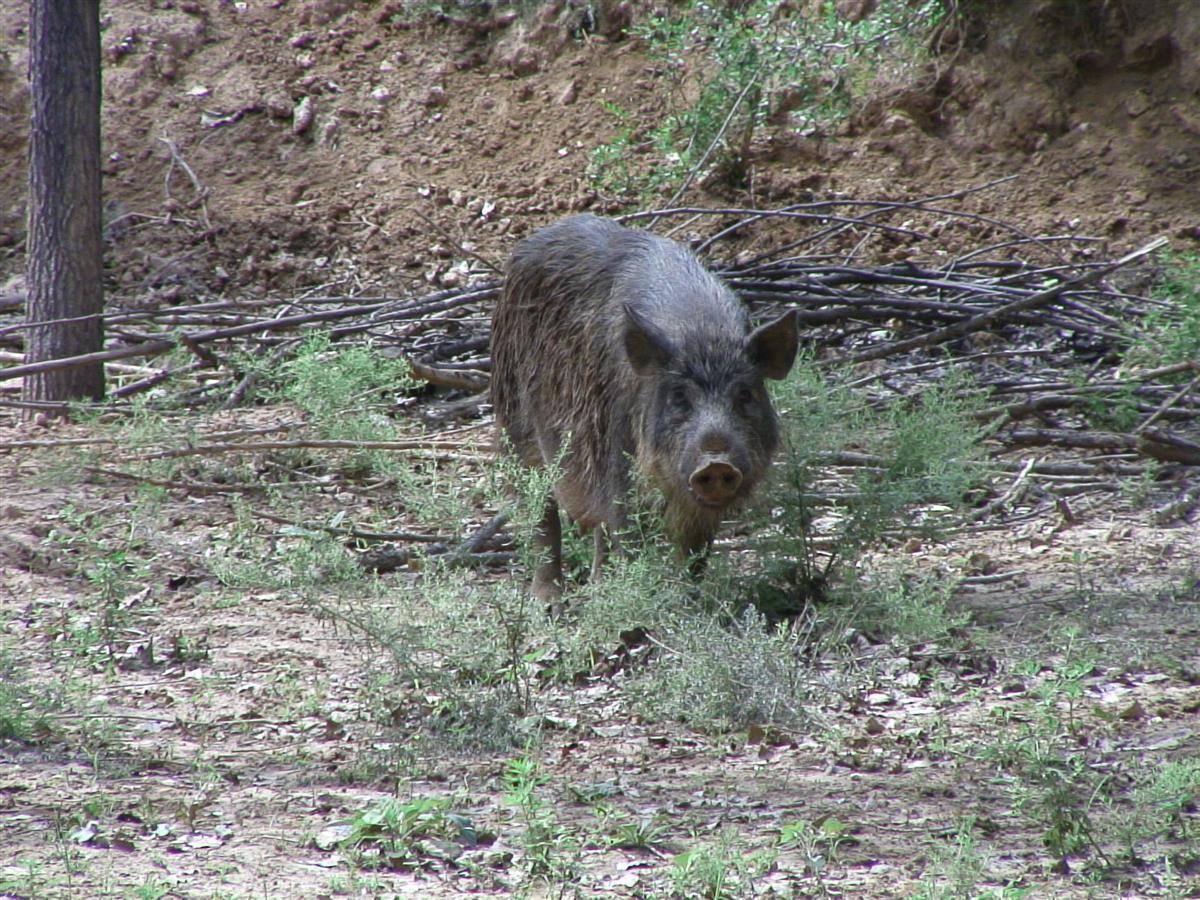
pixel 227 733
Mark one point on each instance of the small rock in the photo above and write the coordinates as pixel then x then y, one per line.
pixel 616 20
pixel 896 122
pixel 435 97
pixel 1188 119
pixel 278 107
pixel 328 132
pixel 328 838
pixel 302 116
pixel 856 10
pixel 523 61
pixel 1149 51
pixel 979 563
pixel 1137 104
pixel 570 94
pixel 1133 712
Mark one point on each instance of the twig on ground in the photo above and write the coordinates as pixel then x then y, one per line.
pixel 987 318
pixel 1167 404
pixel 1179 508
pixel 430 447
pixel 1009 495
pixel 448 378
pixel 356 533
pixel 191 487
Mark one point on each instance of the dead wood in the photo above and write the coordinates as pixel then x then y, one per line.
pixel 1156 445
pixel 1033 319
pixel 986 319
pixel 354 533
pixel 432 448
pixel 449 378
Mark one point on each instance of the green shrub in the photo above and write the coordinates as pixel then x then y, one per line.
pixel 922 454
pixel 1171 334
pixel 733 66
pixel 343 391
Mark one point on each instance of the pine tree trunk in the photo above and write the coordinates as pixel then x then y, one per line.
pixel 64 254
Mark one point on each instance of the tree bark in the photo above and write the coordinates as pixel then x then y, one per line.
pixel 64 253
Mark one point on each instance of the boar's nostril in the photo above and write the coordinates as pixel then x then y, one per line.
pixel 715 482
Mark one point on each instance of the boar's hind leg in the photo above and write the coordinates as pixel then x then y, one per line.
pixel 547 578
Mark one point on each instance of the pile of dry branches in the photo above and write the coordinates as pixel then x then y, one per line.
pixel 1040 322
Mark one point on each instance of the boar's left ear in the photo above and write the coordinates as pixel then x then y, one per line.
pixel 772 347
pixel 646 346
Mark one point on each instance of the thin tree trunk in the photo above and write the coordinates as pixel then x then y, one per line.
pixel 64 254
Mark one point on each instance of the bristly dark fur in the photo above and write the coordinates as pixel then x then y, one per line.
pixel 576 294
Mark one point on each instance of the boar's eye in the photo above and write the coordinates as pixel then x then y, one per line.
pixel 678 399
pixel 747 396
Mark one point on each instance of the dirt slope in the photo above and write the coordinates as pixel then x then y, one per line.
pixel 342 142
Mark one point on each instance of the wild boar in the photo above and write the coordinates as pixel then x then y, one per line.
pixel 613 348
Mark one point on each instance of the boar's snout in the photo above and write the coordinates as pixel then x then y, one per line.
pixel 717 477
pixel 715 481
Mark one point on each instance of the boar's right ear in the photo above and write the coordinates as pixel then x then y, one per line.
pixel 772 347
pixel 648 348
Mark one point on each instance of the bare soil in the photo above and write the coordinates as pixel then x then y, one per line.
pixel 240 724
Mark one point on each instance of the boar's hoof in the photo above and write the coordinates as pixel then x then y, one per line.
pixel 547 590
pixel 715 482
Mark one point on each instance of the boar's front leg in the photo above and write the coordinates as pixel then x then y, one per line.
pixel 547 544
pixel 695 546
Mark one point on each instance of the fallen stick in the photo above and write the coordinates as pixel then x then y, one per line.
pixel 243 446
pixel 1167 404
pixel 164 345
pixel 1180 507
pixel 1009 495
pixel 450 378
pixel 353 532
pixel 6 356
pixel 1155 444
